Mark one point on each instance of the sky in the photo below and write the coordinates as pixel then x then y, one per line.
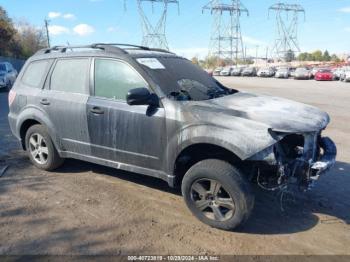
pixel 326 26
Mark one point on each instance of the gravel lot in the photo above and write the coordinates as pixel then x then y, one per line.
pixel 88 209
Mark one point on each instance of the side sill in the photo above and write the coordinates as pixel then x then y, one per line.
pixel 117 165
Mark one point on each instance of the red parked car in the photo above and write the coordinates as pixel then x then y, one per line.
pixel 324 75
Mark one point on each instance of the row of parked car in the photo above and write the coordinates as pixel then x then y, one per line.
pixel 319 74
pixel 8 75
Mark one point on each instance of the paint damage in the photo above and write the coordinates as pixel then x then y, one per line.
pixel 279 140
pixel 276 141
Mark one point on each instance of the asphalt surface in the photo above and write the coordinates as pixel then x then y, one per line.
pixel 88 209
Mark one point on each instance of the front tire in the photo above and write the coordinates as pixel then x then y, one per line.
pixel 41 150
pixel 217 194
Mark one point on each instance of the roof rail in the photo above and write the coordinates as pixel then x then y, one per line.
pixel 135 46
pixel 108 47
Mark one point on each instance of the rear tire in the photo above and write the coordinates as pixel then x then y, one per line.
pixel 41 150
pixel 218 194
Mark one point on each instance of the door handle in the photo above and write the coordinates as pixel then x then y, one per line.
pixel 97 111
pixel 44 102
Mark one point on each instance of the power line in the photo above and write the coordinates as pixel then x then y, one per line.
pixel 287 21
pixel 226 39
pixel 154 34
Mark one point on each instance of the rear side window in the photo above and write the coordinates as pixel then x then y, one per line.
pixel 35 73
pixel 113 79
pixel 71 75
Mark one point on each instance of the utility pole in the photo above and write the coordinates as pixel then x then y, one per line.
pixel 287 29
pixel 47 32
pixel 226 39
pixel 256 55
pixel 154 34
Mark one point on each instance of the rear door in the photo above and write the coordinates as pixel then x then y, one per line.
pixel 64 99
pixel 132 135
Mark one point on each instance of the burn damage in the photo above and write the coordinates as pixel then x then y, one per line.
pixel 196 118
pixel 296 162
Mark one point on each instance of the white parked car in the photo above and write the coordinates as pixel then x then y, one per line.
pixel 8 75
pixel 217 71
pixel 282 72
pixel 226 71
pixel 345 76
pixel 302 73
pixel 266 72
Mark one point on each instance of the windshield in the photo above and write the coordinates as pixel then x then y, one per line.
pixel 2 67
pixel 181 80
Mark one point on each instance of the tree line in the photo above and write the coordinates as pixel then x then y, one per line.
pixel 318 56
pixel 20 39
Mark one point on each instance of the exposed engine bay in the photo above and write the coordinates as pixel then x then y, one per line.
pixel 295 162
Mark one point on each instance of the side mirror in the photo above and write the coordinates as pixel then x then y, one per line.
pixel 141 96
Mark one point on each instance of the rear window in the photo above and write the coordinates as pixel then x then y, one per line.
pixel 35 73
pixel 71 75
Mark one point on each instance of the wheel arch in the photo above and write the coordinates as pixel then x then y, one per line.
pixel 195 153
pixel 24 128
pixel 32 116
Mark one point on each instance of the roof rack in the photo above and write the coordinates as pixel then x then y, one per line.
pixel 108 47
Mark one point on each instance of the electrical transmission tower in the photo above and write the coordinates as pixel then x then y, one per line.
pixel 154 33
pixel 226 39
pixel 287 19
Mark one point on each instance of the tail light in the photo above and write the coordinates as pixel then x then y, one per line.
pixel 12 96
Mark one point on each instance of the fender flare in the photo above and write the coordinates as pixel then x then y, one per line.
pixel 39 115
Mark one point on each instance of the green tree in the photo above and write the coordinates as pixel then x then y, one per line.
pixel 195 60
pixel 302 56
pixel 289 56
pixel 7 34
pixel 335 58
pixel 326 56
pixel 317 56
pixel 29 38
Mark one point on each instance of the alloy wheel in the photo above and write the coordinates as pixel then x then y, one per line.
pixel 211 198
pixel 38 148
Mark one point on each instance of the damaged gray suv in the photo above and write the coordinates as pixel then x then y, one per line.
pixel 151 112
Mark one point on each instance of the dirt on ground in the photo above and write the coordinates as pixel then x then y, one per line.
pixel 84 208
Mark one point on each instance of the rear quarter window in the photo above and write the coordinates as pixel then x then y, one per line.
pixel 71 75
pixel 35 73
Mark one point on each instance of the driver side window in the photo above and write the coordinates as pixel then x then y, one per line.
pixel 113 79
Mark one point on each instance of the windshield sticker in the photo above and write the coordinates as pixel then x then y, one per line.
pixel 152 63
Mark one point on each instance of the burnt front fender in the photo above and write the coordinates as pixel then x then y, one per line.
pixel 243 143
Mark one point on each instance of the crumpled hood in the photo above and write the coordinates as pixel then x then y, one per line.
pixel 279 114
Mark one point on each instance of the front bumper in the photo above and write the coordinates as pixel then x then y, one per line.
pixel 326 160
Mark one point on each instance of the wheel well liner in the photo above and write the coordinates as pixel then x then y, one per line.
pixel 198 152
pixel 24 128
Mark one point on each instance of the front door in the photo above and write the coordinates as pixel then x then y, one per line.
pixel 133 135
